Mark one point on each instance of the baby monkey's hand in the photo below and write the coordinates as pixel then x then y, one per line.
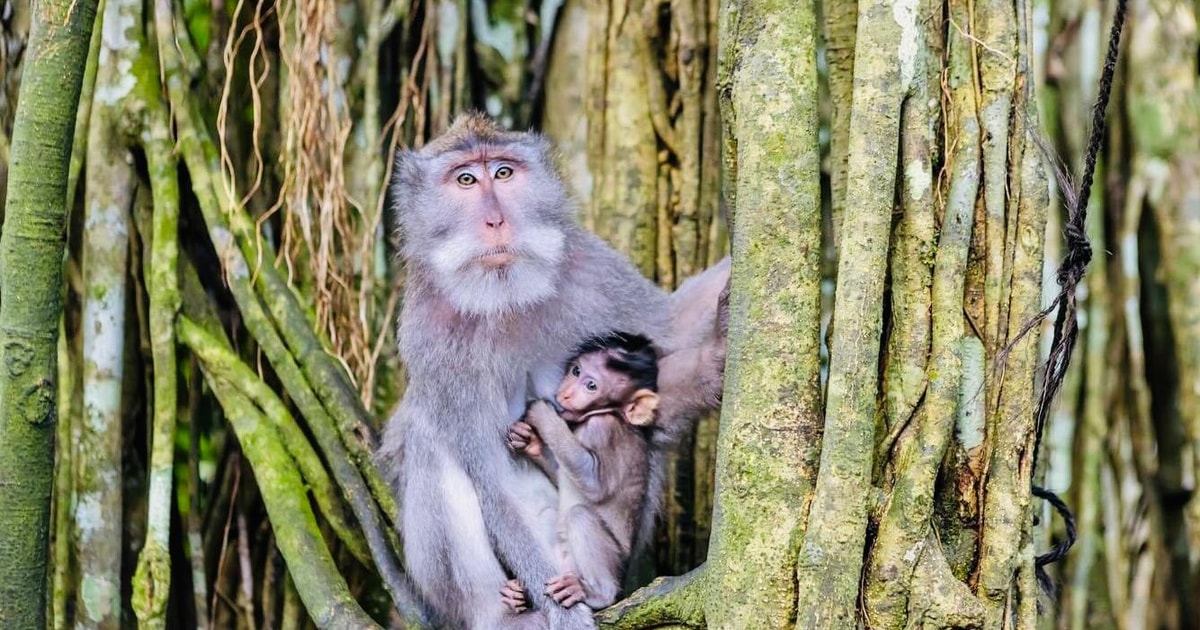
pixel 523 438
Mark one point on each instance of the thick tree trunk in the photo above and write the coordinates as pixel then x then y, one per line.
pixel 770 430
pixel 31 251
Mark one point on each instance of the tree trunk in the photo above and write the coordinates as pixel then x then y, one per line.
pixel 108 204
pixel 31 251
pixel 918 515
pixel 770 430
pixel 873 462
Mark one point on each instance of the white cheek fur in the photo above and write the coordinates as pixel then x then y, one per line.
pixel 481 291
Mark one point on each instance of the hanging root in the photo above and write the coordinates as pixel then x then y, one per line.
pixel 1070 273
pixel 1059 551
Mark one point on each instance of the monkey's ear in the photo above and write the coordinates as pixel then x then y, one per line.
pixel 639 411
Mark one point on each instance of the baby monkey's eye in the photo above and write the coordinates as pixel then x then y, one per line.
pixel 575 370
pixel 591 386
pixel 504 172
pixel 465 179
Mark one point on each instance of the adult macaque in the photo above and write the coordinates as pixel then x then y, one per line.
pixel 600 464
pixel 502 282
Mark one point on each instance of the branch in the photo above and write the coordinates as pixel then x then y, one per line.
pixel 213 349
pixel 152 581
pixel 321 586
pixel 200 156
pixel 667 600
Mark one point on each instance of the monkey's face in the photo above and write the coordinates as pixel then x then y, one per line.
pixel 487 216
pixel 590 384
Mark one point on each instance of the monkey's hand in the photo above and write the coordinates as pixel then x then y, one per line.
pixel 523 438
pixel 513 596
pixel 566 589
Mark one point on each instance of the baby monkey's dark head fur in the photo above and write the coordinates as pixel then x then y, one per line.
pixel 613 371
pixel 628 354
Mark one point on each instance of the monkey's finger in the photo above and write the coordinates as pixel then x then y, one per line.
pixel 522 429
pixel 574 596
pixel 557 586
pixel 513 595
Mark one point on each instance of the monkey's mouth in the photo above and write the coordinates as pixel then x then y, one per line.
pixel 570 415
pixel 496 258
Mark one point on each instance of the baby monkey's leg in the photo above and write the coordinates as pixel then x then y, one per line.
pixel 597 560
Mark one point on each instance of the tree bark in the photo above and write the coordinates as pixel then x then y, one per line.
pixel 31 250
pixel 771 417
pixel 828 571
pixel 108 204
pixel 319 583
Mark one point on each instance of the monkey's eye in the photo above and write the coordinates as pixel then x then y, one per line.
pixel 590 385
pixel 465 179
pixel 504 172
pixel 575 370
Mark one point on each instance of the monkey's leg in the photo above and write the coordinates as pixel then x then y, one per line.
pixel 449 555
pixel 597 557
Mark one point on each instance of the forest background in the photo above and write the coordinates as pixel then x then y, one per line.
pixel 230 289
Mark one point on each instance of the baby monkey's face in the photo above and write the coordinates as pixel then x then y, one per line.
pixel 590 384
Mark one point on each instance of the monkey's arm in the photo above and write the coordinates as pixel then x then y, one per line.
pixel 690 382
pixel 579 462
pixel 549 465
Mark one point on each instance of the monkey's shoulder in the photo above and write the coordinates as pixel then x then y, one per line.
pixel 602 291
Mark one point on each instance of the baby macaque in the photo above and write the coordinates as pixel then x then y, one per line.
pixel 600 463
pixel 501 282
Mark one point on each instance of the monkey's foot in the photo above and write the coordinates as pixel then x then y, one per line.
pixel 513 596
pixel 566 589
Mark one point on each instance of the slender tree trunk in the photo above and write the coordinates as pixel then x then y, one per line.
pixel 31 250
pixel 108 205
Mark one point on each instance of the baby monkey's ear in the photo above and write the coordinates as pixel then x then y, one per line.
pixel 639 411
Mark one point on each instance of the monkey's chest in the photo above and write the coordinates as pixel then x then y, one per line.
pixel 545 376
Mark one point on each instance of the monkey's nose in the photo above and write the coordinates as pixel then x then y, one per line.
pixel 494 222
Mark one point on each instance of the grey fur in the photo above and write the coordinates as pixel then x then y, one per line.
pixel 472 512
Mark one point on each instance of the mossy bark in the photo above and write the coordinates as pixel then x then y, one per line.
pixel 243 261
pixel 108 204
pixel 31 251
pixel 152 582
pixel 840 29
pixel 771 418
pixel 828 571
pixel 319 584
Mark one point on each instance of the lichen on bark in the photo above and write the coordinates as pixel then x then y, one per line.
pixel 31 252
